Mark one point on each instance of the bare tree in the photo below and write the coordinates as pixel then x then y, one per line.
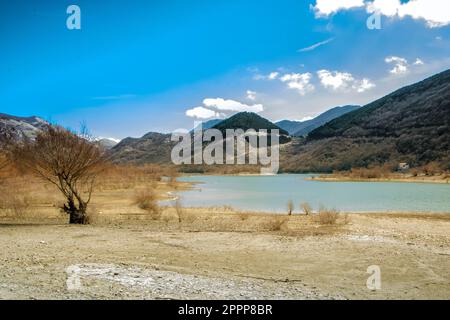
pixel 290 207
pixel 68 161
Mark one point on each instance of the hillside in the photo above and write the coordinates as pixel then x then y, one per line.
pixel 248 120
pixel 303 128
pixel 151 148
pixel 156 147
pixel 22 126
pixel 409 125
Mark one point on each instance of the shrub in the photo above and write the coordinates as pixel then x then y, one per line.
pixel 306 208
pixel 326 216
pixel 179 210
pixel 146 200
pixel 290 207
pixel 276 223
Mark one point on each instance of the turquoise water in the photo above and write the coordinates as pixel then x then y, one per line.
pixel 271 193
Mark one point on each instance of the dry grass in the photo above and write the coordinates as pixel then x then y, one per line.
pixel 117 177
pixel 306 208
pixel 275 223
pixel 326 216
pixel 147 200
pixel 330 217
pixel 134 200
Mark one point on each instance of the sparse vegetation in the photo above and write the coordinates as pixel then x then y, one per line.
pixel 147 200
pixel 327 216
pixel 66 160
pixel 306 208
pixel 275 223
pixel 290 207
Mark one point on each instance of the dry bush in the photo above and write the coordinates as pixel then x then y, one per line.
pixel 432 168
pixel 16 204
pixel 92 215
pixel 147 200
pixel 243 216
pixel 290 207
pixel 326 216
pixel 129 176
pixel 183 215
pixel 275 223
pixel 306 208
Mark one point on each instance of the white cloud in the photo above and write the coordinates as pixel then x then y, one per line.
pixel 273 75
pixel 306 119
pixel 316 45
pixel 400 64
pixel 231 105
pixel 435 12
pixel 299 82
pixel 363 85
pixel 335 80
pixel 341 81
pixel 251 95
pixel 418 62
pixel 270 76
pixel 328 7
pixel 201 113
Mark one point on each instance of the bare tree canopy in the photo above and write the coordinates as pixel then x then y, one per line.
pixel 68 161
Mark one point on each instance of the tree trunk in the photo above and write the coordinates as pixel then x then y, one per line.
pixel 77 215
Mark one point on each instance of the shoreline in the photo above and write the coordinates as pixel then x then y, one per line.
pixel 328 177
pixel 393 180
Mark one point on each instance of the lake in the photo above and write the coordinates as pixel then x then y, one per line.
pixel 272 193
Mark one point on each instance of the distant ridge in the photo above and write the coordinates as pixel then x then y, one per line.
pixel 410 125
pixel 22 126
pixel 303 128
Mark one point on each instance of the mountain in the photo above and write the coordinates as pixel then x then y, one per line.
pixel 22 126
pixel 156 147
pixel 409 125
pixel 251 120
pixel 209 124
pixel 303 128
pixel 248 120
pixel 151 148
pixel 107 143
pixel 290 126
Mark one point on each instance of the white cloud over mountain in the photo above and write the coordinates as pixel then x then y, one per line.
pixel 299 82
pixel 217 108
pixel 231 105
pixel 436 13
pixel 336 80
pixel 401 65
pixel 201 113
pixel 251 95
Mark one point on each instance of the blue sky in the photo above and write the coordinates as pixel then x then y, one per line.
pixel 140 66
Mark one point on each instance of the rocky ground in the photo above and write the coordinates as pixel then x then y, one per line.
pixel 165 261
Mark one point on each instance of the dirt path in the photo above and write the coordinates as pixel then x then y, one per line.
pixel 138 261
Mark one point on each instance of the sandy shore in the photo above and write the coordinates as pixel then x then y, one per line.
pixel 212 253
pixel 168 260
